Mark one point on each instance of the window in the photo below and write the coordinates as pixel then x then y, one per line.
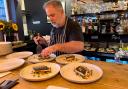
pixel 3 10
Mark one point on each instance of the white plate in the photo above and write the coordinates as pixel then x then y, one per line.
pixel 68 73
pixel 35 59
pixel 23 54
pixel 9 64
pixel 27 74
pixel 61 59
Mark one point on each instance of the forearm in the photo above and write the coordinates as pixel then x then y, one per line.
pixel 70 47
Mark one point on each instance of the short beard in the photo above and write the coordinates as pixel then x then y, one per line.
pixel 56 26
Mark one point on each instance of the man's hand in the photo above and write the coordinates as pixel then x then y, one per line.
pixel 36 39
pixel 49 50
pixel 40 40
pixel 68 47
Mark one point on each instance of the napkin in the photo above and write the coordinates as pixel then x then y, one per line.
pixel 56 87
pixel 4 74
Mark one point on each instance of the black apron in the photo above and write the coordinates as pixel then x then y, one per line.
pixel 58 38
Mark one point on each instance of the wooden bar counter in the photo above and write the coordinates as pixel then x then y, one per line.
pixel 115 76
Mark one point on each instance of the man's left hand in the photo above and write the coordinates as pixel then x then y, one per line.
pixel 49 50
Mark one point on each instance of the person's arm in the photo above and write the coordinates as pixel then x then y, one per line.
pixel 68 47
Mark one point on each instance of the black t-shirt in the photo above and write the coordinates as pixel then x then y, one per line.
pixel 73 32
pixel 70 32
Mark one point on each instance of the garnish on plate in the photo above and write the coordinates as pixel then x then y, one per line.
pixel 41 70
pixel 40 57
pixel 70 58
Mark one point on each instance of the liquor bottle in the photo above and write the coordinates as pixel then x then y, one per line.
pixel 83 26
pixel 90 26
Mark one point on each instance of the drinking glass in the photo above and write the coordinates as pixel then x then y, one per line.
pixel 117 57
pixel 117 60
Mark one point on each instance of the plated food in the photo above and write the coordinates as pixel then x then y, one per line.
pixel 101 50
pixel 40 71
pixel 70 58
pixel 81 72
pixel 37 58
pixel 110 50
pixel 89 49
pixel 106 50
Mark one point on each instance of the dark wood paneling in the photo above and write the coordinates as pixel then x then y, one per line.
pixel 15 15
pixel 36 13
pixel 19 20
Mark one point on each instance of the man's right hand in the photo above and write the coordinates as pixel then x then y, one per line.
pixel 40 40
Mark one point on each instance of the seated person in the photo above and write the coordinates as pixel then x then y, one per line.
pixel 66 35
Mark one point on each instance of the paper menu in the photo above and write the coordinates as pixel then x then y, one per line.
pixel 56 87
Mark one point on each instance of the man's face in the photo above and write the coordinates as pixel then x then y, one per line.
pixel 55 15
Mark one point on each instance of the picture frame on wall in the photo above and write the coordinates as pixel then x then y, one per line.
pixel 63 4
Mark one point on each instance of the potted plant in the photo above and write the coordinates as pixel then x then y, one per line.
pixel 8 29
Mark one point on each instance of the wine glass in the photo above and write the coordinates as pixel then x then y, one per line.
pixel 117 58
pixel 119 55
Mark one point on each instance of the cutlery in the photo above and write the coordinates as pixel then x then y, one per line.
pixel 8 84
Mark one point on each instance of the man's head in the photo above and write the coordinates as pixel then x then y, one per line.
pixel 55 12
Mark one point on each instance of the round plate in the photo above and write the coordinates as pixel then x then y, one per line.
pixel 9 64
pixel 35 59
pixel 62 58
pixel 68 73
pixel 27 72
pixel 23 54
